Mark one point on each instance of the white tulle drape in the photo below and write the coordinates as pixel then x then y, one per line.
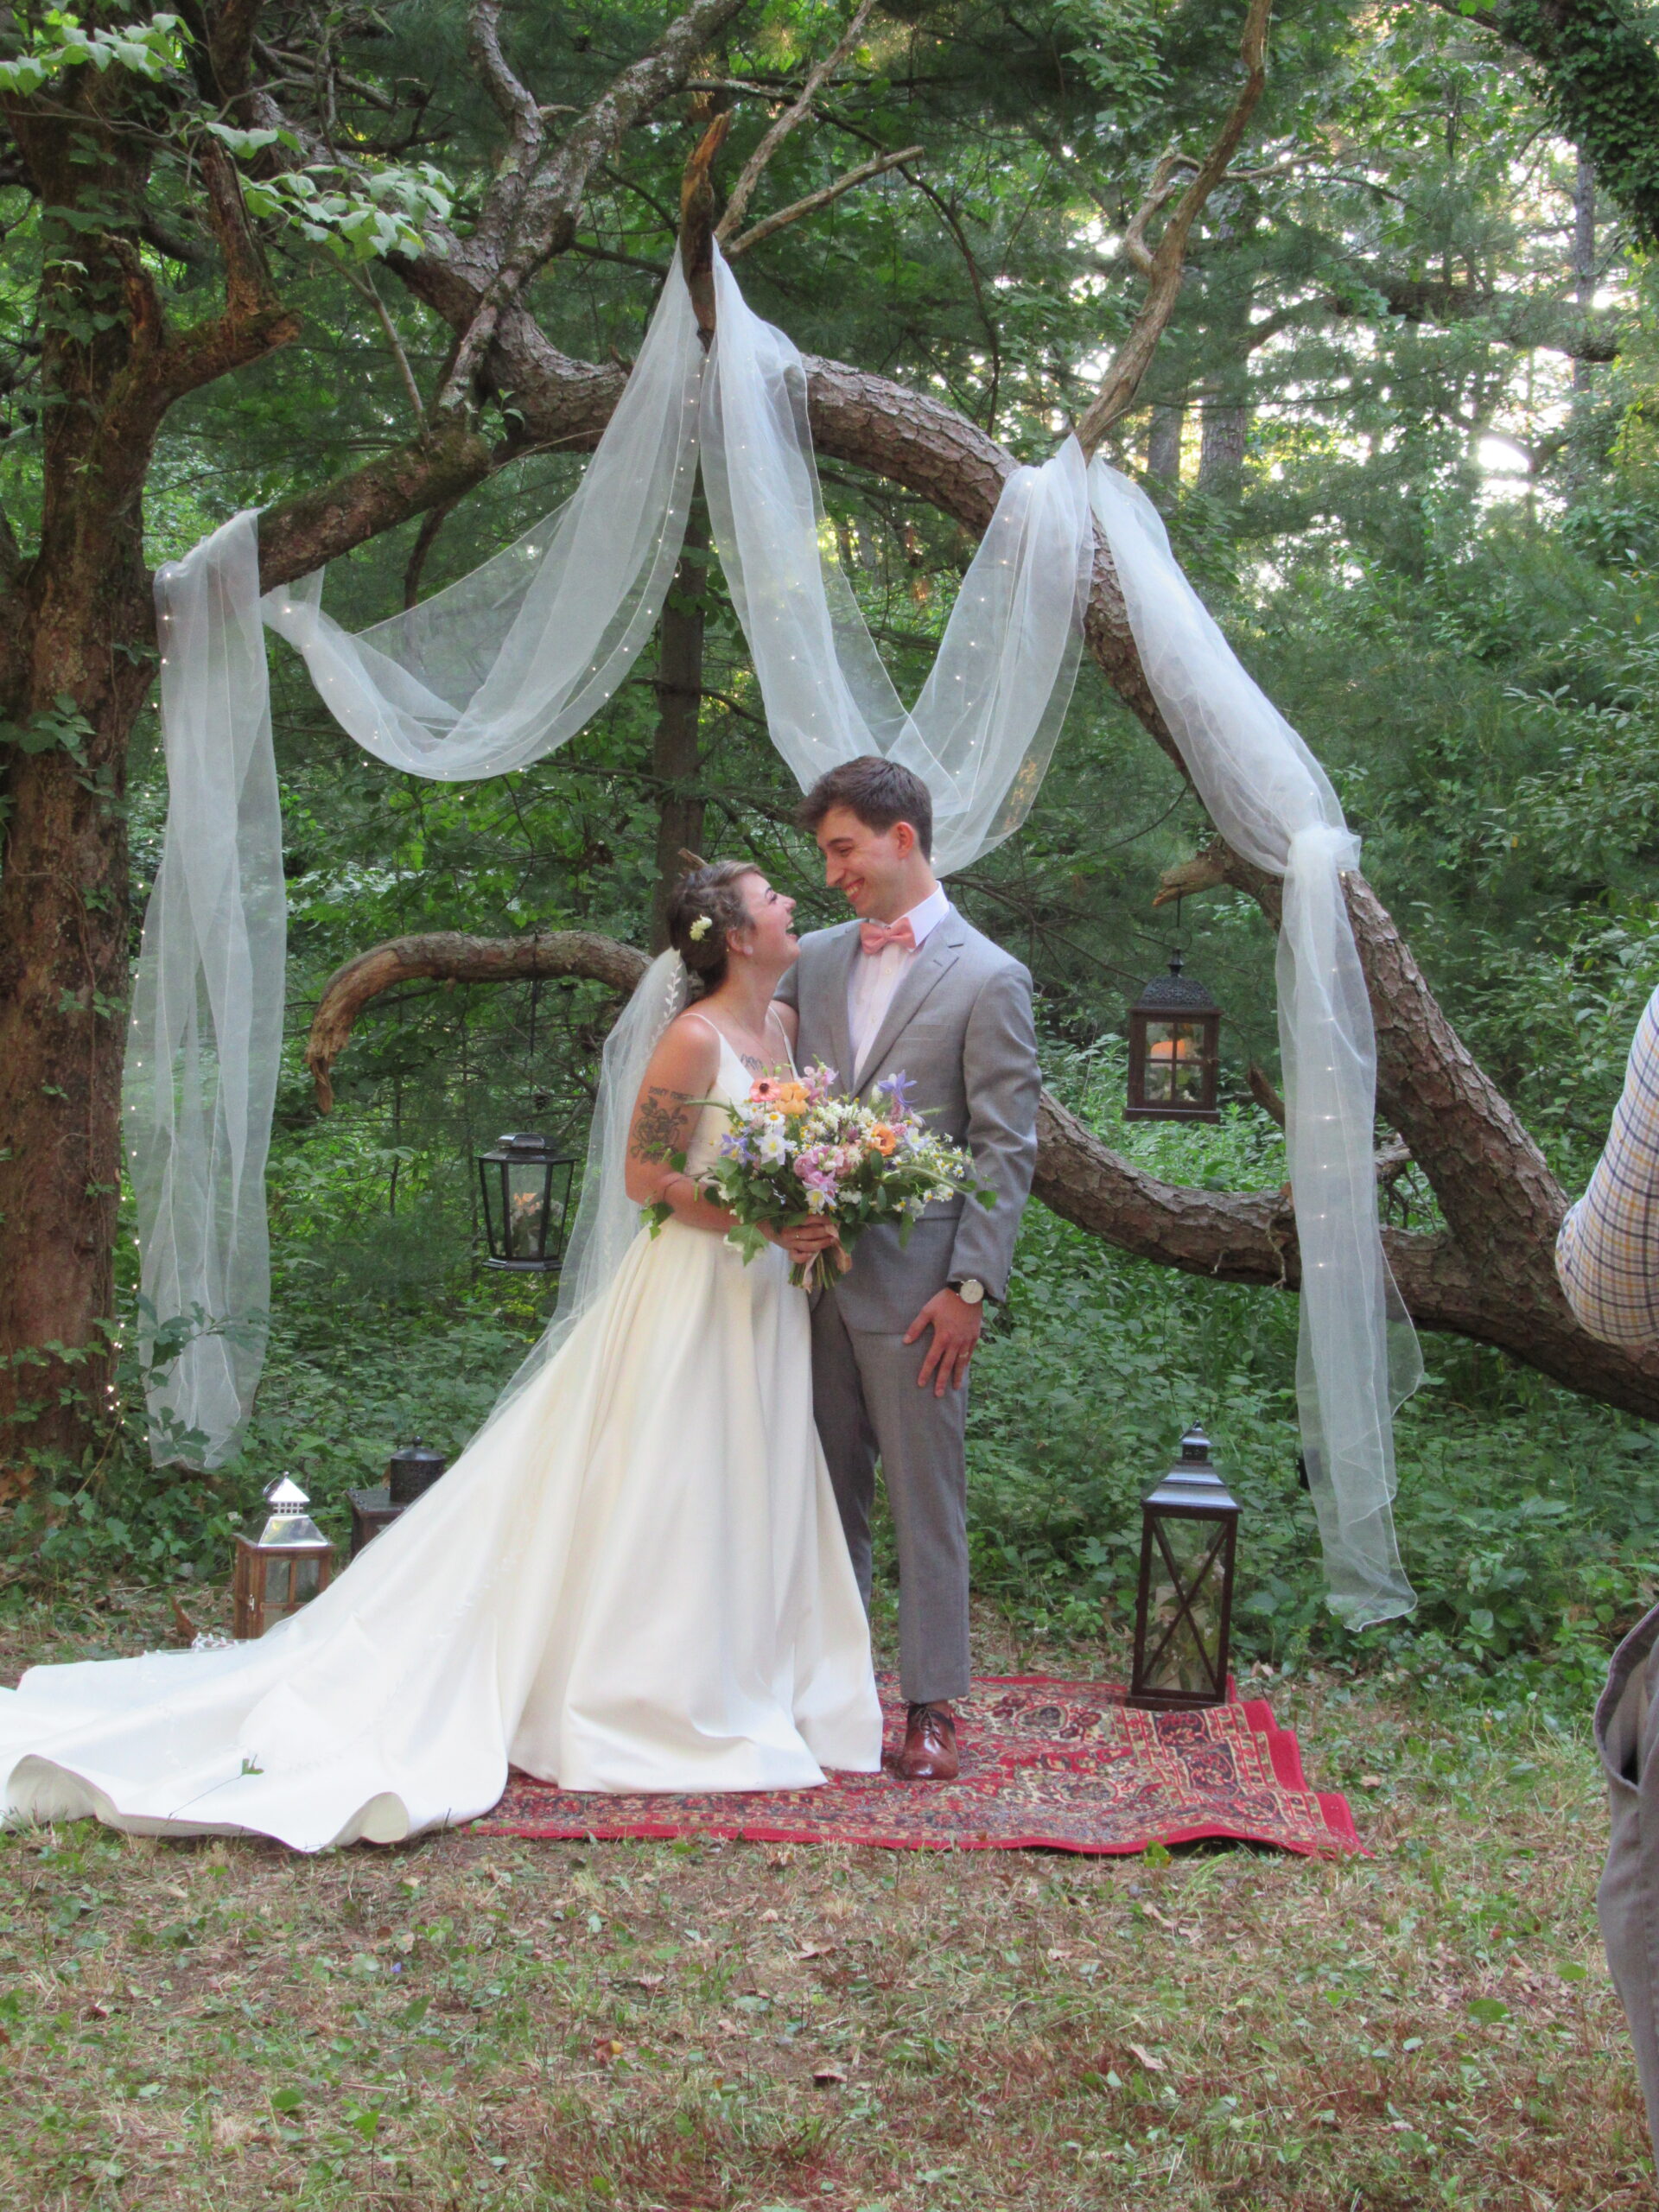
pixel 1274 804
pixel 515 657
pixel 206 1033
pixel 494 672
pixel 981 733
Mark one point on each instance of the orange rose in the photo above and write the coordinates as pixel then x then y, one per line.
pixel 792 1098
pixel 885 1139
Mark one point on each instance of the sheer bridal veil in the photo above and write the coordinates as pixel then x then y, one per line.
pixel 509 662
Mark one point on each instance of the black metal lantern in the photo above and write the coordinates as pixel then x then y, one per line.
pixel 1189 1531
pixel 526 1203
pixel 410 1471
pixel 1174 1050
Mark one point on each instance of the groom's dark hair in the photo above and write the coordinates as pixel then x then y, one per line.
pixel 879 792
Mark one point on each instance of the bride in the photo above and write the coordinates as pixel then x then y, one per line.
pixel 634 1579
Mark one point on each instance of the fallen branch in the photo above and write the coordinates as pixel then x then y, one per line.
pixel 578 954
pixel 1244 1236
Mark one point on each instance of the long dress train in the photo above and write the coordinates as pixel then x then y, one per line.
pixel 634 1579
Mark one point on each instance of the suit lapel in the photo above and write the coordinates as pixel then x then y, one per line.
pixel 937 958
pixel 838 972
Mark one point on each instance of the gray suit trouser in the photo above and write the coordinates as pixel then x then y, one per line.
pixel 1627 1737
pixel 869 1406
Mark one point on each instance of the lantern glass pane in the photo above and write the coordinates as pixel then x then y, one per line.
pixel 277 1585
pixel 308 1579
pixel 526 1210
pixel 1189 1660
pixel 1175 1063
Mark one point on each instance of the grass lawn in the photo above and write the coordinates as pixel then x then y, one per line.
pixel 462 2022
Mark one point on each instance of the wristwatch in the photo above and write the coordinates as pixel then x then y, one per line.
pixel 969 1290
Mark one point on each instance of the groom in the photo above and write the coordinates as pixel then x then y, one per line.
pixel 912 989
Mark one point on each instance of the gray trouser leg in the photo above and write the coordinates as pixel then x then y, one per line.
pixel 1627 1902
pixel 844 1431
pixel 867 1399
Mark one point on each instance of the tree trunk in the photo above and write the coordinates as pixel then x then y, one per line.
pixel 1583 461
pixel 1220 450
pixel 75 668
pixel 63 930
pixel 1164 443
pixel 674 756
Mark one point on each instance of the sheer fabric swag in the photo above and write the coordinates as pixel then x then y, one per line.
pixel 509 662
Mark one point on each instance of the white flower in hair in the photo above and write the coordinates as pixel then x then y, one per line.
pixel 700 928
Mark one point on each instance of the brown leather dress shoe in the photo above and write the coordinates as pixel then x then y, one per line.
pixel 930 1752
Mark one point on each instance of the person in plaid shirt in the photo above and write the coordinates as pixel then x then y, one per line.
pixel 1607 1262
pixel 1607 1253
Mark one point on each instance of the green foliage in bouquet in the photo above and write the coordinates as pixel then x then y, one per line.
pixel 797 1152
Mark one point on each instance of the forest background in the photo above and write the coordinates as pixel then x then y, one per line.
pixel 1402 427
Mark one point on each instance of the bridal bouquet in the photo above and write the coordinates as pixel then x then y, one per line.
pixel 796 1150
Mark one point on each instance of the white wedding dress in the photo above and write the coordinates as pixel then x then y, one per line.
pixel 633 1579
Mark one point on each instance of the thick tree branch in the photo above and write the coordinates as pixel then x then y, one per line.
pixel 1245 1236
pixel 457 958
pixel 308 533
pixel 530 212
pixel 1163 267
pixel 256 319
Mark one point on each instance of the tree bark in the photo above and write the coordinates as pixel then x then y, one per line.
pixel 1164 444
pixel 578 954
pixel 1221 446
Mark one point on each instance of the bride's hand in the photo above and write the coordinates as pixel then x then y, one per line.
pixel 805 1241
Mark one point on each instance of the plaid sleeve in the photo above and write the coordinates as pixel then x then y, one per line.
pixel 1607 1253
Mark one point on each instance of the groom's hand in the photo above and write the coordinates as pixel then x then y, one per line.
pixel 956 1326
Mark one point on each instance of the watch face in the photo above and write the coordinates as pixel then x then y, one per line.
pixel 971 1291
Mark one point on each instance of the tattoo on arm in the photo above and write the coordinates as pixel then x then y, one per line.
pixel 660 1125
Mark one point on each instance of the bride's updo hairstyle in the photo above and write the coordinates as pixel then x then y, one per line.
pixel 705 908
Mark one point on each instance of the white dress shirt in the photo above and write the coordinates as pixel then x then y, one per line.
pixel 877 976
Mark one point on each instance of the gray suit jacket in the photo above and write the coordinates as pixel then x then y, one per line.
pixel 960 1028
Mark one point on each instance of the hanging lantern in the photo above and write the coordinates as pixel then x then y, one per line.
pixel 1189 1531
pixel 284 1567
pixel 410 1471
pixel 1174 1050
pixel 526 1203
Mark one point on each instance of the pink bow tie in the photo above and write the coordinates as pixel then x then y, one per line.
pixel 876 936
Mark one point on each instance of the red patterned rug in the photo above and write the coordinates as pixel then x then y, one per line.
pixel 1045 1765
